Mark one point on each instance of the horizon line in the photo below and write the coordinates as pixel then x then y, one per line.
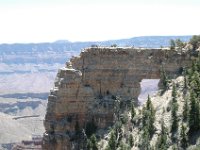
pixel 83 41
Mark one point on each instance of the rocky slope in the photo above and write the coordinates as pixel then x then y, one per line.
pixel 86 88
pixel 162 106
pixel 20 119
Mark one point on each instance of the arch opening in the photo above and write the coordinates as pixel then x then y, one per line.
pixel 148 87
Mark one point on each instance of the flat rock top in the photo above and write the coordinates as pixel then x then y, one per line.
pixel 123 48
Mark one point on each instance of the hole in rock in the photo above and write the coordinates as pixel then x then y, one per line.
pixel 148 86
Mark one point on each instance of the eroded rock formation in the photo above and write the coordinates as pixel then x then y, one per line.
pixel 86 88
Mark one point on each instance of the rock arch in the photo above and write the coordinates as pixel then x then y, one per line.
pixel 81 88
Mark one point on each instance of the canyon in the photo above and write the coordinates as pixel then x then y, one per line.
pixel 86 89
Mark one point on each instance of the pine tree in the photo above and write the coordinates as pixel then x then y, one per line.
pixel 164 79
pixel 185 78
pixel 191 71
pixel 131 141
pixel 174 110
pixel 174 93
pixel 175 147
pixel 94 142
pixel 117 110
pixel 161 143
pixel 172 44
pixel 198 63
pixel 149 117
pixel 195 41
pixel 133 113
pixel 179 43
pixel 194 66
pixel 124 146
pixel 112 144
pixel 149 105
pixel 89 144
pixel 152 116
pixel 117 130
pixel 185 109
pixel 194 120
pixel 195 83
pixel 145 140
pixel 183 137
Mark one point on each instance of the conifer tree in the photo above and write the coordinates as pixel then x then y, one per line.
pixel 131 141
pixel 198 63
pixel 174 110
pixel 175 147
pixel 92 143
pixel 117 110
pixel 191 71
pixel 124 146
pixel 174 93
pixel 185 109
pixel 161 143
pixel 194 66
pixel 185 78
pixel 172 44
pixel 183 137
pixel 117 130
pixel 133 113
pixel 164 79
pixel 148 117
pixel 195 41
pixel 179 43
pixel 145 140
pixel 194 120
pixel 112 144
pixel 195 83
pixel 89 144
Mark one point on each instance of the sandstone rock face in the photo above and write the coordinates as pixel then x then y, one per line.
pixel 86 88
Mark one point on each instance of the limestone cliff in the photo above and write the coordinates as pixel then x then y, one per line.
pixel 86 88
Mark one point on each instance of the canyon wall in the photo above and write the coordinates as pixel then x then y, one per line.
pixel 85 89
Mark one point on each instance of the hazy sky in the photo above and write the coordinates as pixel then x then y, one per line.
pixel 90 20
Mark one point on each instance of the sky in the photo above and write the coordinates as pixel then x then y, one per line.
pixel 27 21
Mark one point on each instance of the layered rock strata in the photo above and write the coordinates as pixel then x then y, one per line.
pixel 85 89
